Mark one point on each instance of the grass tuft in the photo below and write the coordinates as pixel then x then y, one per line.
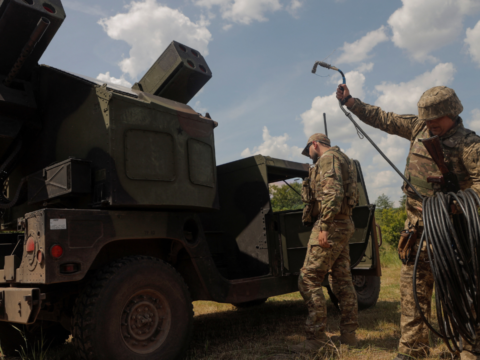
pixel 36 351
pixel 389 257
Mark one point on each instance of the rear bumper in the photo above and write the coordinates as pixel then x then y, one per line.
pixel 20 305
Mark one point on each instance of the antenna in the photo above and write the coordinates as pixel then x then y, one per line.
pixel 325 124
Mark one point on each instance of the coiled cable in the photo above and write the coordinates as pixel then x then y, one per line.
pixel 453 248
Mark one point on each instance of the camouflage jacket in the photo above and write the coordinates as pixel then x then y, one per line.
pixel 461 148
pixel 332 187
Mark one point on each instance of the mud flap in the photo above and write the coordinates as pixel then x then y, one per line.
pixel 20 305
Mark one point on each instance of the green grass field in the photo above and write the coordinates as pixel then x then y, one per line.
pixel 221 332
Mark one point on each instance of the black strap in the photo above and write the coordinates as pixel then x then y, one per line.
pixel 344 101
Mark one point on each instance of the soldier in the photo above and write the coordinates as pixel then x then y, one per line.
pixel 438 111
pixel 330 192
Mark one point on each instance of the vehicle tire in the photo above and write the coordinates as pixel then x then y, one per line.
pixel 51 334
pixel 134 308
pixel 368 289
pixel 248 304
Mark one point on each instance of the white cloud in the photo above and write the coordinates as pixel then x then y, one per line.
pixel 474 123
pixel 113 80
pixel 469 6
pixel 149 27
pixel 275 146
pixel 210 3
pixel 360 49
pixel 394 147
pixel 244 11
pixel 402 98
pixel 199 108
pixel 421 27
pixel 473 42
pixel 383 182
pixel 294 6
pixel 383 179
pixel 365 67
pixel 313 119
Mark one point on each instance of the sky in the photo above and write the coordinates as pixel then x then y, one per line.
pixel 261 52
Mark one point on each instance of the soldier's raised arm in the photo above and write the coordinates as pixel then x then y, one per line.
pixel 401 125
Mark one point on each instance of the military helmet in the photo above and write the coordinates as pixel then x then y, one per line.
pixel 318 138
pixel 437 102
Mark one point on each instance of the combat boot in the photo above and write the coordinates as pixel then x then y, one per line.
pixel 310 345
pixel 348 339
pixel 466 355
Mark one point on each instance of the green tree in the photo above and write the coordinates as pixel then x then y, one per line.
pixel 383 202
pixel 283 197
pixel 392 222
pixel 390 219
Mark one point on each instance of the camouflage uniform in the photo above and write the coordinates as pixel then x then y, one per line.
pixel 334 194
pixel 461 148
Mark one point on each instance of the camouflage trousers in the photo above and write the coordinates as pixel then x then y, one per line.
pixel 316 266
pixel 414 340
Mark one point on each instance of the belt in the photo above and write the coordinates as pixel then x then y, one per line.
pixel 341 217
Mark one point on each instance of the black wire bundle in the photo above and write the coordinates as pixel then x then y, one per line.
pixel 453 246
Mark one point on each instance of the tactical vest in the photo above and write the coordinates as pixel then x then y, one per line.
pixel 313 196
pixel 420 164
pixel 312 206
pixel 350 186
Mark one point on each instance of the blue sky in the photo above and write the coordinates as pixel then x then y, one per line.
pixel 263 94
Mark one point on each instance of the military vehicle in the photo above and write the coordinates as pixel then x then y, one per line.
pixel 115 216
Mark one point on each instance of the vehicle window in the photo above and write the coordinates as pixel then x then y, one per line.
pixel 286 195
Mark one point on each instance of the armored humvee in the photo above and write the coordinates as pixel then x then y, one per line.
pixel 115 216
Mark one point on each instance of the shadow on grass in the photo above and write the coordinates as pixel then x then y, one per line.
pixel 382 323
pixel 278 322
pixel 213 333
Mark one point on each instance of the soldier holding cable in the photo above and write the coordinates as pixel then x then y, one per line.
pixel 438 114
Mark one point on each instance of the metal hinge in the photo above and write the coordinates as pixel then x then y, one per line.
pixel 104 97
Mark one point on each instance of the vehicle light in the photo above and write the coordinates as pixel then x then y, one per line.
pixel 56 251
pixel 40 256
pixel 49 8
pixel 69 268
pixel 30 245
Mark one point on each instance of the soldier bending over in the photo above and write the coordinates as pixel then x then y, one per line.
pixel 438 111
pixel 330 192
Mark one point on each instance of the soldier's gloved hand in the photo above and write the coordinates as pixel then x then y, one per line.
pixel 322 239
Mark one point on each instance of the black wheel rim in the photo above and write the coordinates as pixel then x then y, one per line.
pixel 146 321
pixel 359 281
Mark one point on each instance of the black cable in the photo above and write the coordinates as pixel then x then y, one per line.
pixel 453 249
